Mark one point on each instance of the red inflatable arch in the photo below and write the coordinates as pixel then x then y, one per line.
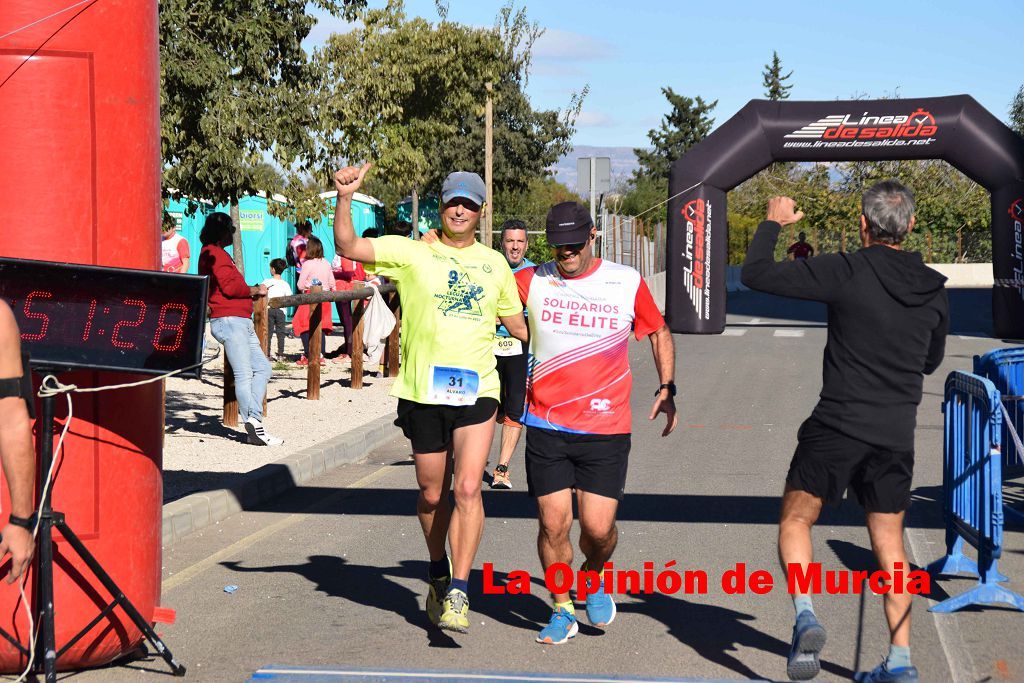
pixel 956 129
pixel 80 182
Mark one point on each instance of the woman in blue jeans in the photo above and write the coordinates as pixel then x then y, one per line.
pixel 230 304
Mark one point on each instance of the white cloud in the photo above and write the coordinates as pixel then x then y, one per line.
pixel 593 119
pixel 558 45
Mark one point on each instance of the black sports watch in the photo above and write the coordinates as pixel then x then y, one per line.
pixel 671 386
pixel 28 523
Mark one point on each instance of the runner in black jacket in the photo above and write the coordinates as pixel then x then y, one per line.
pixel 888 315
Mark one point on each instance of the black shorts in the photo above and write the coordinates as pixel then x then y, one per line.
pixel 827 462
pixel 512 371
pixel 430 427
pixel 595 463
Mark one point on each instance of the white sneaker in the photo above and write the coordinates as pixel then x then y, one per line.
pixel 258 436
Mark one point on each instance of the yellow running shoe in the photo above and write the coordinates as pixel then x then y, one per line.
pixel 435 595
pixel 456 612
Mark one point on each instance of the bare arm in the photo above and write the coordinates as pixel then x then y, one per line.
pixel 665 361
pixel 516 326
pixel 19 463
pixel 347 182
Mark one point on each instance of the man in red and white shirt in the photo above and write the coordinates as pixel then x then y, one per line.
pixel 582 311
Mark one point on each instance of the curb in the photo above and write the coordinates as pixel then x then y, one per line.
pixel 196 511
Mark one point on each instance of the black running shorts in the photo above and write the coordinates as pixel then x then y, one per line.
pixel 827 462
pixel 512 371
pixel 430 427
pixel 595 463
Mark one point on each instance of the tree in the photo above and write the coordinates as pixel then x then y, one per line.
pixel 235 92
pixel 772 80
pixel 687 124
pixel 409 95
pixel 1017 112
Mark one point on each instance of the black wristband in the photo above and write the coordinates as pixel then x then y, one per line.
pixel 28 523
pixel 671 386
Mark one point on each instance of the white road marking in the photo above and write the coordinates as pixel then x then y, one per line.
pixel 788 333
pixel 733 332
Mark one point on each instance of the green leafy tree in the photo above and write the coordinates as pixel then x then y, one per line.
pixel 236 90
pixel 1017 112
pixel 684 126
pixel 773 80
pixel 409 95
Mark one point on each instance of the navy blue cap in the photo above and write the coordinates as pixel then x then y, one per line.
pixel 568 223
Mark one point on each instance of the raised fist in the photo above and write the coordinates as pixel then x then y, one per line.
pixel 348 180
pixel 783 211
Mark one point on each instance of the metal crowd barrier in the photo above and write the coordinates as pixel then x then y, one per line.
pixel 972 491
pixel 1005 369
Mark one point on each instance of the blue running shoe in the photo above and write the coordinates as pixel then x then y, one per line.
pixel 561 628
pixel 808 641
pixel 600 607
pixel 880 674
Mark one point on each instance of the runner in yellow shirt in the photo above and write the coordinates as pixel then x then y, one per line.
pixel 447 387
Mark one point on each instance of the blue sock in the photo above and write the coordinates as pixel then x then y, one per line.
pixel 439 568
pixel 899 657
pixel 802 603
pixel 459 585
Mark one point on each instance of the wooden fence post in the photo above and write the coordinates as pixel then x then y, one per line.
pixel 357 343
pixel 316 328
pixel 391 353
pixel 229 418
pixel 261 321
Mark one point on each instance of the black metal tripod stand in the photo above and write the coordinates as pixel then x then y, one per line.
pixel 47 654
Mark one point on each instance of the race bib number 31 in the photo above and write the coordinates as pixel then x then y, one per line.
pixel 453 386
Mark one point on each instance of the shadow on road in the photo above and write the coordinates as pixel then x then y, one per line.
pixel 636 507
pixel 712 632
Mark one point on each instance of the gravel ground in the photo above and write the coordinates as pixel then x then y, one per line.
pixel 201 454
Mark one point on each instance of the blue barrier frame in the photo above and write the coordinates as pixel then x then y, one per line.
pixel 972 490
pixel 1005 369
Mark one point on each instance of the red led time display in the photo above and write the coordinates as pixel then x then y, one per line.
pixel 106 318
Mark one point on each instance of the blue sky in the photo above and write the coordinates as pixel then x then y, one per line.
pixel 626 51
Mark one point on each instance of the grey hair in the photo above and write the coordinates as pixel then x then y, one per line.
pixel 888 207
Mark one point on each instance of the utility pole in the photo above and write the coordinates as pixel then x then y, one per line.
pixel 487 223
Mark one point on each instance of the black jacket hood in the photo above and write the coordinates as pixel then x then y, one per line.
pixel 903 274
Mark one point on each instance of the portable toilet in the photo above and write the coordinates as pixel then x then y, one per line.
pixel 264 236
pixel 190 215
pixel 429 218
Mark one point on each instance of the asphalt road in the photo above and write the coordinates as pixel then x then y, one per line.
pixel 332 575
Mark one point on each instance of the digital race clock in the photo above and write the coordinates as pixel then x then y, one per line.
pixel 78 316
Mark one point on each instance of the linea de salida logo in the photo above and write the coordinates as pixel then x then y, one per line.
pixel 1017 216
pixel 697 239
pixel 867 130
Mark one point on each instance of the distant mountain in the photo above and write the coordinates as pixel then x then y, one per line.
pixel 623 164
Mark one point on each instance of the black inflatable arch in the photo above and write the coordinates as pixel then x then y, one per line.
pixel 956 129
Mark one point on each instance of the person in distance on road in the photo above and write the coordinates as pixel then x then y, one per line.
pixel 451 291
pixel 888 315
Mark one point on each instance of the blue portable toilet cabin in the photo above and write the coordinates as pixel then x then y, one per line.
pixel 264 236
pixel 190 215
pixel 429 218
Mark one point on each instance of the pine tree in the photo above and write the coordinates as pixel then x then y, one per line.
pixel 687 124
pixel 773 80
pixel 1017 112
